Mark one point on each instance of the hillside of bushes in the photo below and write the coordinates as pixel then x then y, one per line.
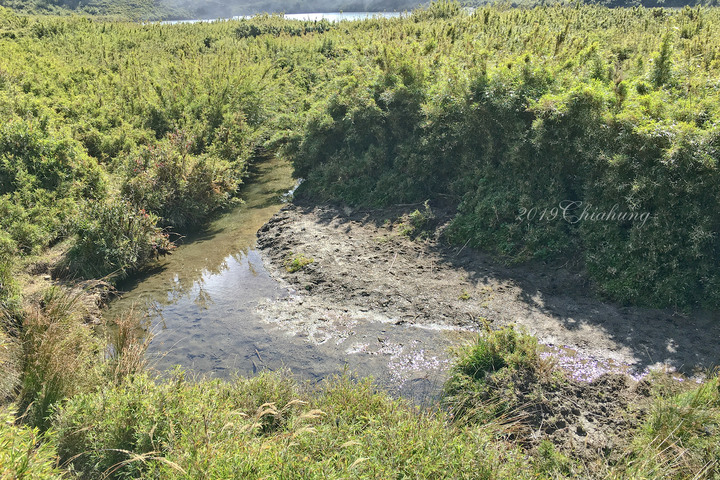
pixel 557 132
pixel 155 10
pixel 583 134
pixel 136 10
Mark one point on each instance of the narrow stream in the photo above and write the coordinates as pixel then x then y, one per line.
pixel 203 304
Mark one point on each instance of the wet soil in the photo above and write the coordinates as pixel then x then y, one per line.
pixel 584 419
pixel 211 308
pixel 364 263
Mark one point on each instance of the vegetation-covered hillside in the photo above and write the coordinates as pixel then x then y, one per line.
pixel 214 9
pixel 533 122
pixel 119 9
pixel 579 133
pixel 142 10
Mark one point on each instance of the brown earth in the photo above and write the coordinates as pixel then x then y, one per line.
pixel 585 419
pixel 362 261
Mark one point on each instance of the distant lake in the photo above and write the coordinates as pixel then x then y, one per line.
pixel 329 16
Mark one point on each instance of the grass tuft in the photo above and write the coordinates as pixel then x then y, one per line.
pixel 61 355
pixel 295 263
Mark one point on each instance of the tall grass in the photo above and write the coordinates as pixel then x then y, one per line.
pixel 477 390
pixel 269 427
pixel 137 426
pixel 10 350
pixel 681 437
pixel 61 356
pixel 127 340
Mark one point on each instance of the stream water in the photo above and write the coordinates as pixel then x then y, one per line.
pixel 204 305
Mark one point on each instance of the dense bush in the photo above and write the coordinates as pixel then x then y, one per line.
pixel 552 133
pixel 275 25
pixel 167 122
pixel 24 452
pixel 115 239
pixel 507 113
pixel 183 189
pixel 42 176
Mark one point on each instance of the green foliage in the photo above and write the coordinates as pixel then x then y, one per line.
pixel 10 319
pixel 111 131
pixel 42 175
pixel 183 189
pixel 495 350
pixel 275 25
pixel 449 106
pixel 32 157
pixel 419 223
pixel 61 355
pixel 662 68
pixel 477 390
pixel 167 118
pixel 111 9
pixel 295 263
pixel 437 9
pixel 681 437
pixel 24 453
pixel 551 462
pixel 254 428
pixel 481 116
pixel 115 239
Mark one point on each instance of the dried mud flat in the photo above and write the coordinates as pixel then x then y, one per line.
pixel 367 277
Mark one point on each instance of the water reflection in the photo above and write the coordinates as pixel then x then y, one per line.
pixel 211 307
pixel 312 17
pixel 198 298
pixel 225 243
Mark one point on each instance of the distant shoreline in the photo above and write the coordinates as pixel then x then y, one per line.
pixel 310 16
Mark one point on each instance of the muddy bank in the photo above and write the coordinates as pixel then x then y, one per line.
pixel 366 267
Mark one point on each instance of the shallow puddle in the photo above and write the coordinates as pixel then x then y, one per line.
pixel 210 309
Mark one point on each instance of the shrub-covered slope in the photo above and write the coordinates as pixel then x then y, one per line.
pixel 584 132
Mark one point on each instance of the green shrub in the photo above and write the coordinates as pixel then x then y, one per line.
pixel 184 190
pixel 495 350
pixel 42 175
pixel 295 263
pixel 24 451
pixel 437 9
pixel 115 239
pixel 34 157
pixel 475 391
pixel 512 143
